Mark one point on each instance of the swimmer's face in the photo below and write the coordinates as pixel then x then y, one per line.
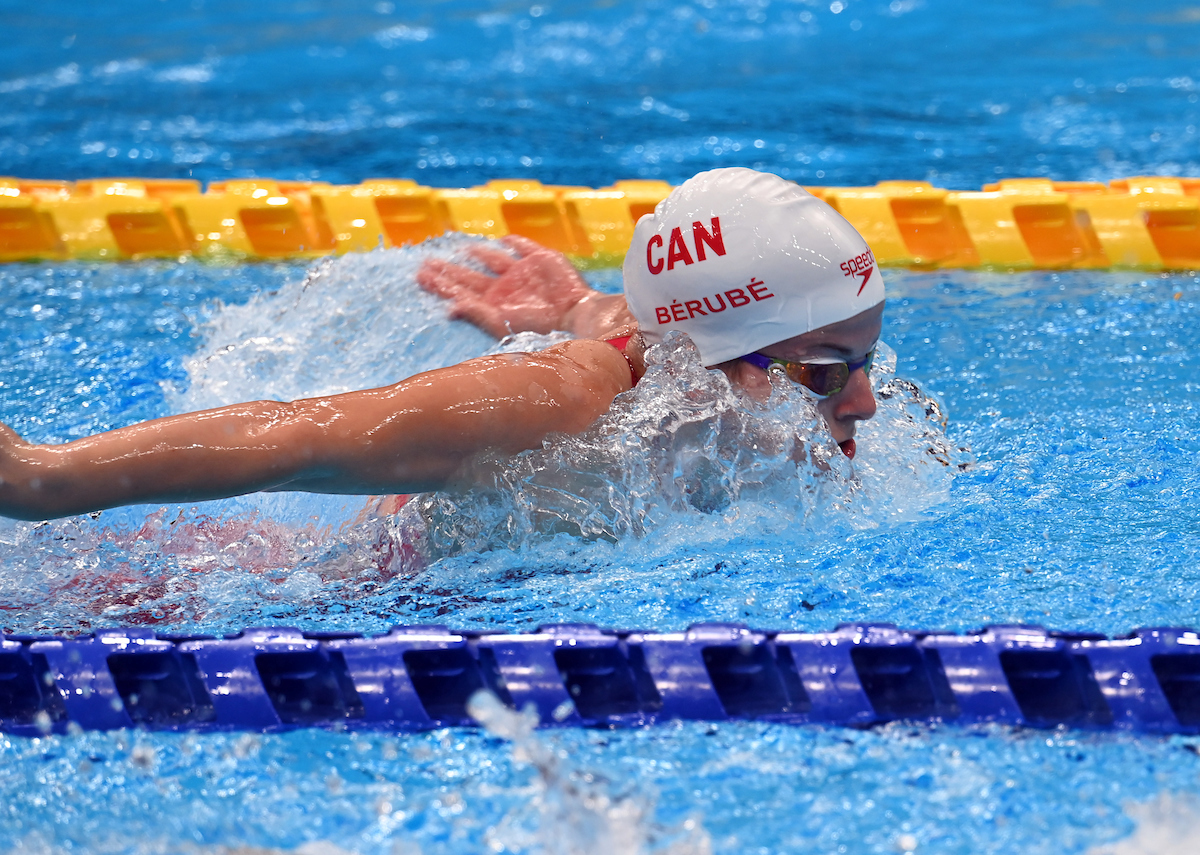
pixel 846 341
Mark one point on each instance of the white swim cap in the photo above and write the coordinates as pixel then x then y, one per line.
pixel 740 259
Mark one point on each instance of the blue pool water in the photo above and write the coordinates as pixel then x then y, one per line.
pixel 1069 398
pixel 455 92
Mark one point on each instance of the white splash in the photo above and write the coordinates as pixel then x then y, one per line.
pixel 119 844
pixel 576 814
pixel 682 461
pixel 684 443
pixel 1166 825
pixel 353 322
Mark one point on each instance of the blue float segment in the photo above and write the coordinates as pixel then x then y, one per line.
pixel 417 678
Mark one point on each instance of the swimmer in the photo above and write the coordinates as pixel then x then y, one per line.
pixel 760 274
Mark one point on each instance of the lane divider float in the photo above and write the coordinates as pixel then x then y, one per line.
pixel 1150 223
pixel 422 677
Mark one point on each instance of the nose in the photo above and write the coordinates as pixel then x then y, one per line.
pixel 855 403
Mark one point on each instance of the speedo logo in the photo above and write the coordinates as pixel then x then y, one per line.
pixel 755 292
pixel 678 250
pixel 861 266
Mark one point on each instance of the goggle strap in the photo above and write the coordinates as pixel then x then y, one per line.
pixel 758 360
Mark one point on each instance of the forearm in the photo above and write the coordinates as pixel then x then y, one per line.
pixel 194 457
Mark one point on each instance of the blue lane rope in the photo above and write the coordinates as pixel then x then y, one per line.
pixel 416 678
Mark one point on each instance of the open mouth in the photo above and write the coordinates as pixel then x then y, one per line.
pixel 848 448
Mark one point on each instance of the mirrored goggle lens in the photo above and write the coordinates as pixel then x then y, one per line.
pixel 822 379
pixel 827 379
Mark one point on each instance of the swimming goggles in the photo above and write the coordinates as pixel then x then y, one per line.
pixel 824 378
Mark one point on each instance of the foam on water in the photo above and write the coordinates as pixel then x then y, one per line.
pixel 1036 372
pixel 1166 825
pixel 681 460
pixel 684 443
pixel 690 788
pixel 353 322
pixel 577 814
pixel 1075 391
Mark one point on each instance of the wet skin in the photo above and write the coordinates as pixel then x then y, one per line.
pixel 847 341
pixel 417 435
pixel 536 289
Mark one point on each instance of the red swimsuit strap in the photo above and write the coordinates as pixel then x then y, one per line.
pixel 620 343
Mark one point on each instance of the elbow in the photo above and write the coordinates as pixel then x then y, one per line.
pixel 23 491
pixel 36 485
pixel 32 499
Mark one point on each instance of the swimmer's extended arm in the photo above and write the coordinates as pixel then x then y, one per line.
pixel 537 290
pixel 416 435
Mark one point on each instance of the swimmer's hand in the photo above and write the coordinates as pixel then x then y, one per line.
pixel 531 289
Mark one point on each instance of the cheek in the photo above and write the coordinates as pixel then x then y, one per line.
pixel 752 383
pixel 759 387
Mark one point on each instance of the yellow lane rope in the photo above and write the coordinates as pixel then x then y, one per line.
pixel 1150 223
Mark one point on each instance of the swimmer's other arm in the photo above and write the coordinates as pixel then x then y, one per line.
pixel 417 435
pixel 534 290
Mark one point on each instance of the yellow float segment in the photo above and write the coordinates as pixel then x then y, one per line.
pixel 409 212
pixel 1170 208
pixel 352 215
pixel 254 218
pixel 1145 222
pixel 603 219
pixel 157 188
pixel 535 211
pixel 472 211
pixel 932 230
pixel 1027 223
pixel 1119 223
pixel 39 188
pixel 25 230
pixel 119 218
pixel 906 223
pixel 1174 225
pixel 991 226
pixel 642 195
pixel 869 211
